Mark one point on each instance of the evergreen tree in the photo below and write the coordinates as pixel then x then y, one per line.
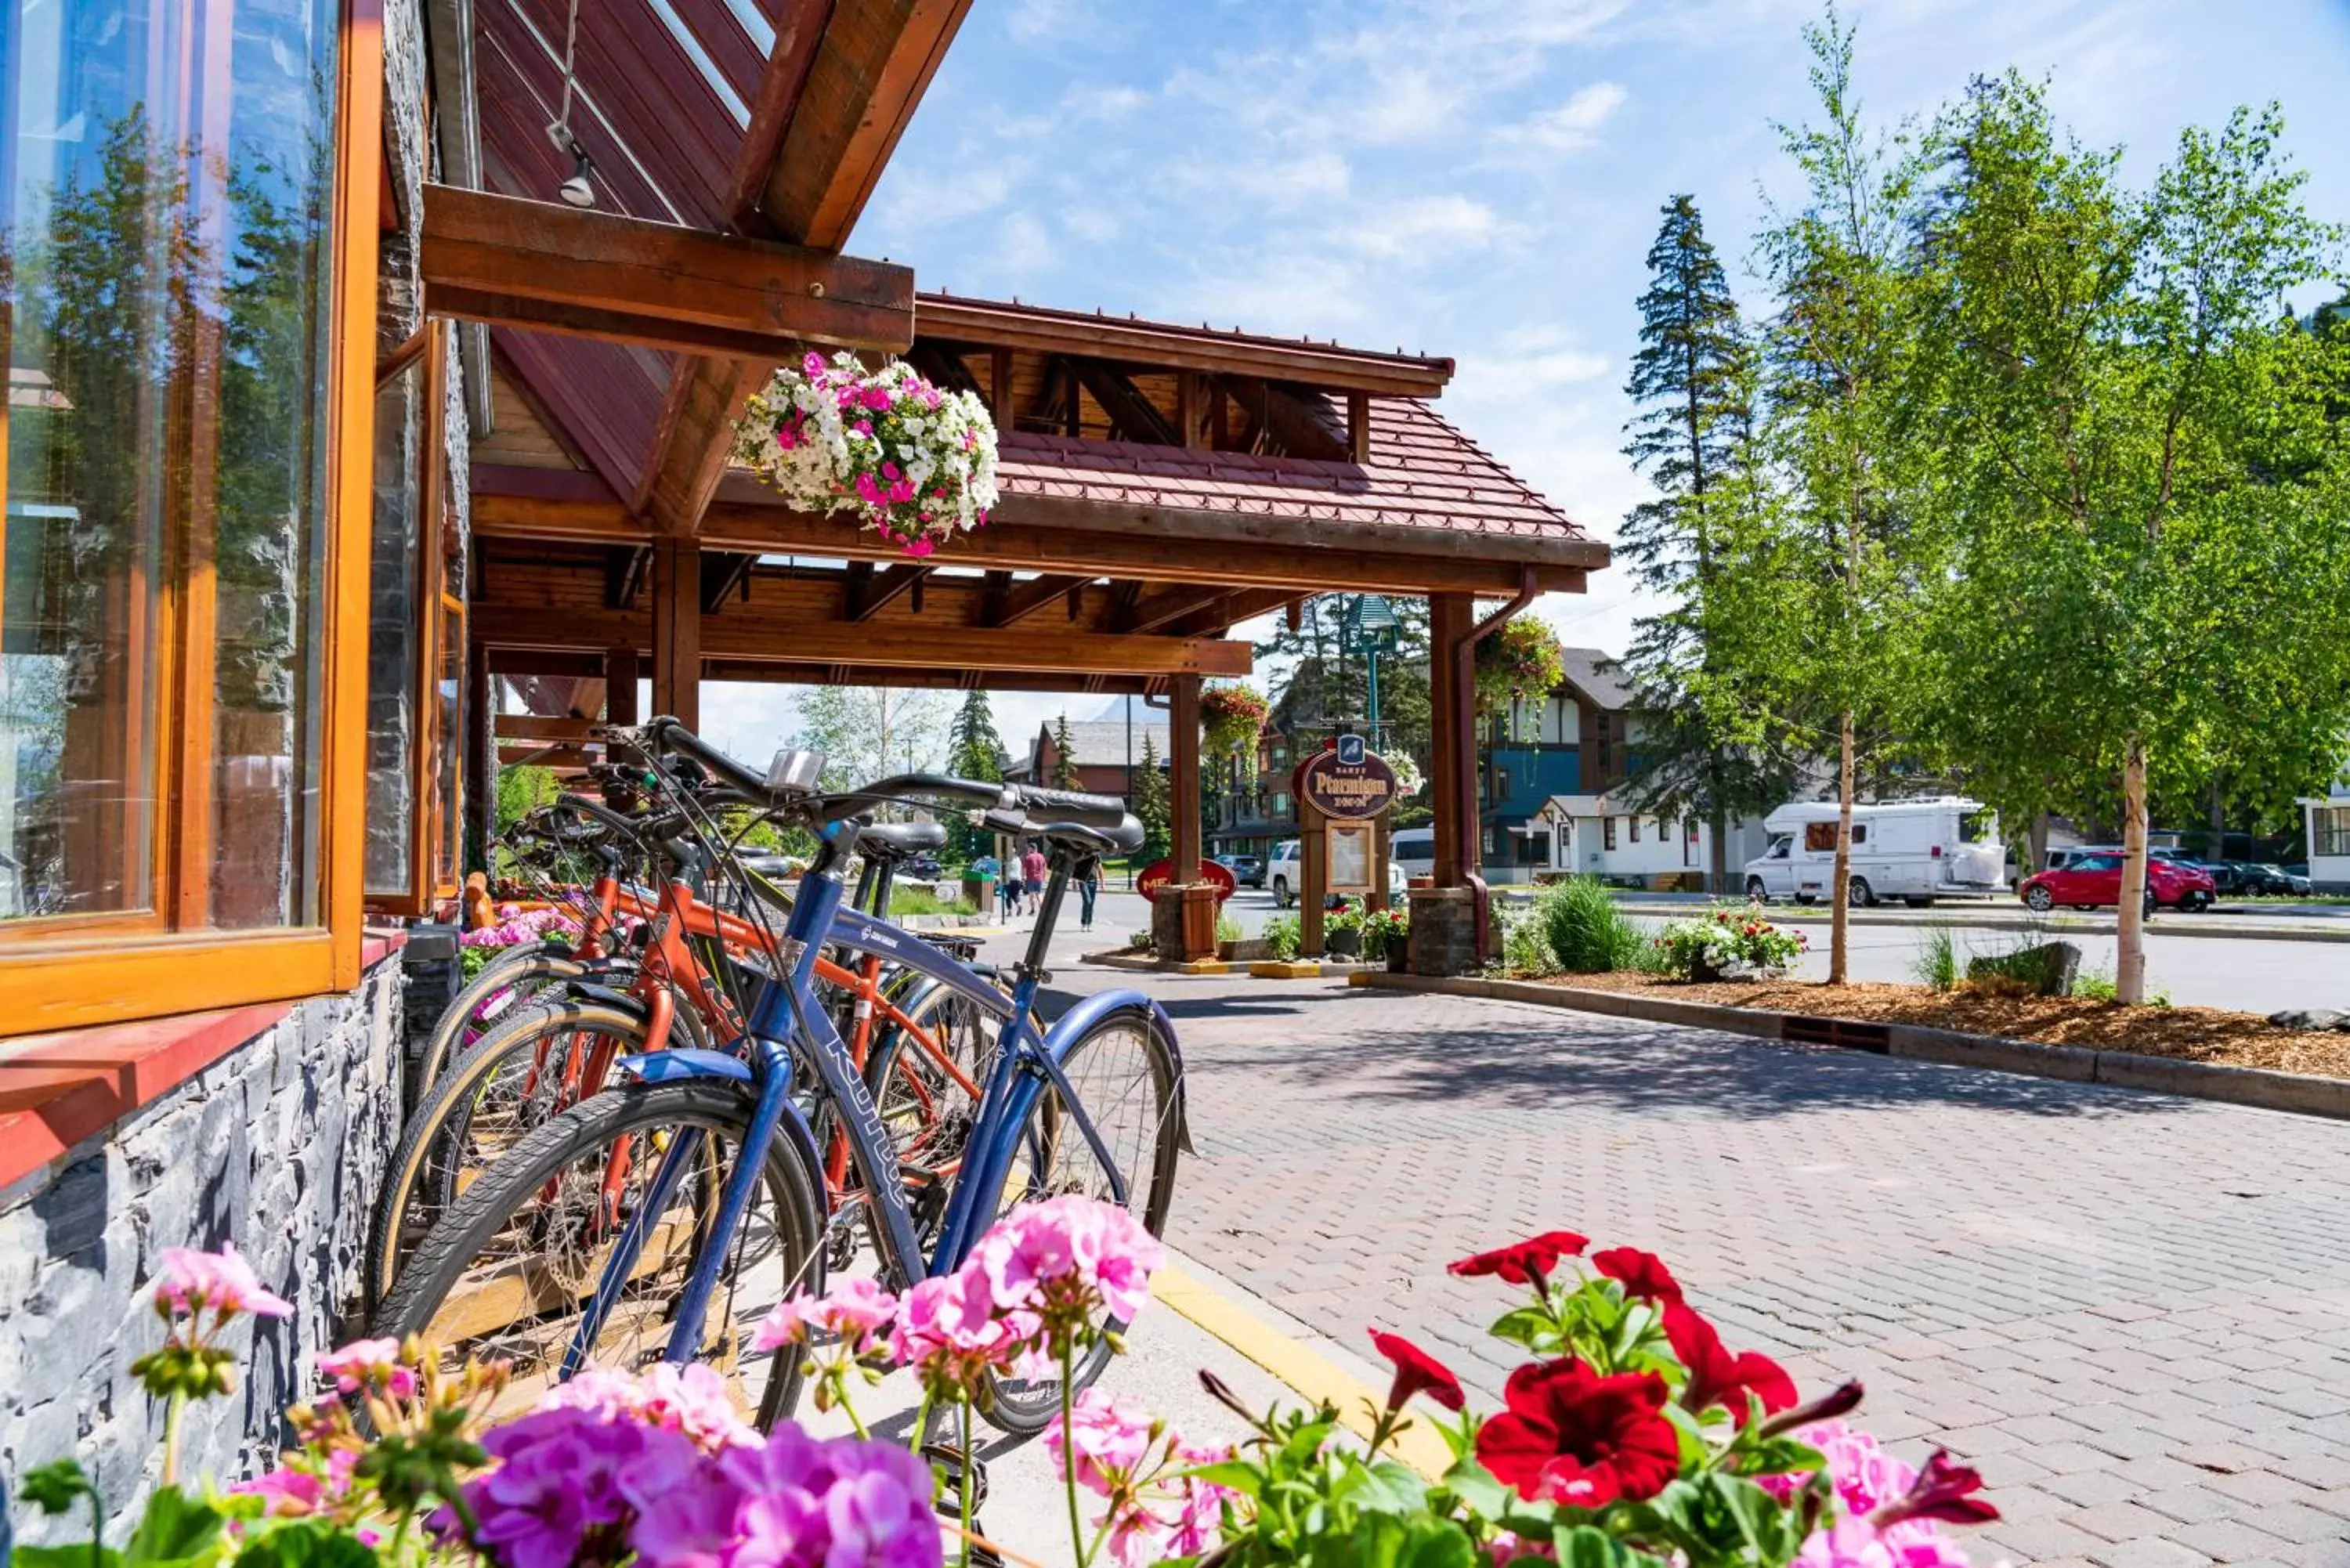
pixel 1694 436
pixel 1065 754
pixel 974 751
pixel 1147 796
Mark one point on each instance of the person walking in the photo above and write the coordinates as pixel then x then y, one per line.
pixel 1032 876
pixel 1011 883
pixel 1089 889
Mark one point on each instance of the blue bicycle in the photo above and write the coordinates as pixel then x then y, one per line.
pixel 662 1219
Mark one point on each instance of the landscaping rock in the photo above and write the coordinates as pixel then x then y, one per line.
pixel 2311 1018
pixel 2048 969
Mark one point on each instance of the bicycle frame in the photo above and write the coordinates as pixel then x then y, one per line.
pixel 1025 1065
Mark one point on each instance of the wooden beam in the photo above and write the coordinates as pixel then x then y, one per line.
pixel 1166 606
pixel 1135 417
pixel 1183 778
pixel 999 388
pixel 1358 427
pixel 787 637
pixel 692 438
pixel 620 685
pixel 1193 392
pixel 676 631
pixel 1452 726
pixel 1099 539
pixel 1046 331
pixel 870 591
pixel 940 678
pixel 870 69
pixel 724 574
pixel 1021 600
pixel 539 727
pixel 540 265
pixel 1230 609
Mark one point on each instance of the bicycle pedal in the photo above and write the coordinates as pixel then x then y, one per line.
pixel 948 1461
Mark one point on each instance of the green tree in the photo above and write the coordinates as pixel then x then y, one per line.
pixel 974 751
pixel 867 732
pixel 1694 437
pixel 1065 754
pixel 2147 494
pixel 1147 795
pixel 1814 639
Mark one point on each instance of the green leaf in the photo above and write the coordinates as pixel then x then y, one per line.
pixel 1528 1326
pixel 82 1556
pixel 306 1544
pixel 52 1487
pixel 1389 1487
pixel 174 1528
pixel 1395 1540
pixel 1586 1546
pixel 1234 1475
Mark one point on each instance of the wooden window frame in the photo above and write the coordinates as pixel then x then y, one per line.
pixel 434 605
pixel 52 973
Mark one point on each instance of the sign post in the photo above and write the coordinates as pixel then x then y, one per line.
pixel 1343 793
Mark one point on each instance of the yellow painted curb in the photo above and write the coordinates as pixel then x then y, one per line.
pixel 1311 1375
pixel 1360 977
pixel 1203 966
pixel 1285 969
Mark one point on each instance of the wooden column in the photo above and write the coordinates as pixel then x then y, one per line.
pixel 677 630
pixel 1183 771
pixel 1452 725
pixel 1358 427
pixel 621 686
pixel 480 791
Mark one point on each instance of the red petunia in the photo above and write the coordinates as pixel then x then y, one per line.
pixel 1943 1491
pixel 1417 1372
pixel 1718 1378
pixel 1525 1263
pixel 1571 1436
pixel 1642 1274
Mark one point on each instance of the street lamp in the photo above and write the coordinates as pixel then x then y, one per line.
pixel 1368 625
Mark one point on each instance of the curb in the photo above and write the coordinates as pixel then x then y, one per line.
pixel 1294 1357
pixel 2256 1087
pixel 2000 919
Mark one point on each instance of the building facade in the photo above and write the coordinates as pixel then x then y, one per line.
pixel 2327 823
pixel 1103 765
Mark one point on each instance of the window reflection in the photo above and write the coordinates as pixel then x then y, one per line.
pixel 166 202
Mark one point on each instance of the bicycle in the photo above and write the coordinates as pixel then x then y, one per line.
pixel 572 1250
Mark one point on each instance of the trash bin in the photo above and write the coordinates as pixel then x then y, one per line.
pixel 1199 920
pixel 979 892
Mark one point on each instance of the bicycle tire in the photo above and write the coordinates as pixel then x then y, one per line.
pixel 415 1183
pixel 1131 1130
pixel 538 962
pixel 518 1183
pixel 970 1036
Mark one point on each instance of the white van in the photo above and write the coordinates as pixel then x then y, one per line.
pixel 1414 850
pixel 1284 874
pixel 1915 850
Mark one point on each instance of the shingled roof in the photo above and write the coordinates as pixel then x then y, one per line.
pixel 1424 473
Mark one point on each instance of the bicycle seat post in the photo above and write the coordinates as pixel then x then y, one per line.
pixel 1048 915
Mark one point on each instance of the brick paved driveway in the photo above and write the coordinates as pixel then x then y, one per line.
pixel 2132 1312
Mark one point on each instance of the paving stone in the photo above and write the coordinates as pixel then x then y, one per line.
pixel 2089 1488
pixel 2035 1540
pixel 2150 1552
pixel 2227 1540
pixel 2194 1504
pixel 2297 1523
pixel 2262 1487
pixel 2117 1522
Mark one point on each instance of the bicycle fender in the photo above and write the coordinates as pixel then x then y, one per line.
pixel 668 1066
pixel 1072 1026
pixel 611 998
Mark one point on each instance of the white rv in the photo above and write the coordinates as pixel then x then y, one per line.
pixel 1914 850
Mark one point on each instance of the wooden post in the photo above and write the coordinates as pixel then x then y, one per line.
pixel 999 388
pixel 1313 876
pixel 480 791
pixel 677 630
pixel 1452 724
pixel 1358 427
pixel 1183 766
pixel 621 686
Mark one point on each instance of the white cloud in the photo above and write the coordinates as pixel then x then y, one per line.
pixel 1022 246
pixel 1426 228
pixel 1573 124
pixel 1037 20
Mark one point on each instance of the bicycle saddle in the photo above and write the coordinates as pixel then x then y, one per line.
pixel 895 840
pixel 774 868
pixel 1123 839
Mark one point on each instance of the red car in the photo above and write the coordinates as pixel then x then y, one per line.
pixel 2096 880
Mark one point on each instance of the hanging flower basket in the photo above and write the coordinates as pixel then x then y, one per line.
pixel 1522 659
pixel 913 462
pixel 1233 717
pixel 1407 776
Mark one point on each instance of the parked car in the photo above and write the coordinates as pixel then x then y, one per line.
pixel 2263 877
pixel 2227 875
pixel 1284 874
pixel 921 867
pixel 2092 880
pixel 1247 870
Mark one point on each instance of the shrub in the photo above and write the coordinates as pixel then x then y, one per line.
pixel 1524 949
pixel 2094 985
pixel 1587 934
pixel 1937 963
pixel 1279 937
pixel 1227 929
pixel 1143 940
pixel 1728 941
pixel 1384 932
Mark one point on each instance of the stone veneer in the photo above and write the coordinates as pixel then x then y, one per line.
pixel 278 1146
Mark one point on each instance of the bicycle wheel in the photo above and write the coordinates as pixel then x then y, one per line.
pixel 513 1079
pixel 1123 1071
pixel 506 984
pixel 928 1091
pixel 511 1269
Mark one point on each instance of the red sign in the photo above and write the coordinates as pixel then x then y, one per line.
pixel 1155 877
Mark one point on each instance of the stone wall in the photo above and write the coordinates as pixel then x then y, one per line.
pixel 278 1147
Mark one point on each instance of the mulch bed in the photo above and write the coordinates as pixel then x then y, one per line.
pixel 2192 1034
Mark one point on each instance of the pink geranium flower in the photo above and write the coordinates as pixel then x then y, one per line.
pixel 367 1364
pixel 223 1281
pixel 856 1311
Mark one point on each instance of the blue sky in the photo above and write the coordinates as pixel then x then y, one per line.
pixel 1481 180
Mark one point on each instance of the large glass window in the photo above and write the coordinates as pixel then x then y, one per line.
pixel 396 617
pixel 166 217
pixel 2329 830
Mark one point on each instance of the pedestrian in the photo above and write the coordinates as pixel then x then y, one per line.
pixel 1011 885
pixel 1032 875
pixel 1089 889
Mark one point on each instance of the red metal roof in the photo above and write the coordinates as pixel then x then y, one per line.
pixel 1422 473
